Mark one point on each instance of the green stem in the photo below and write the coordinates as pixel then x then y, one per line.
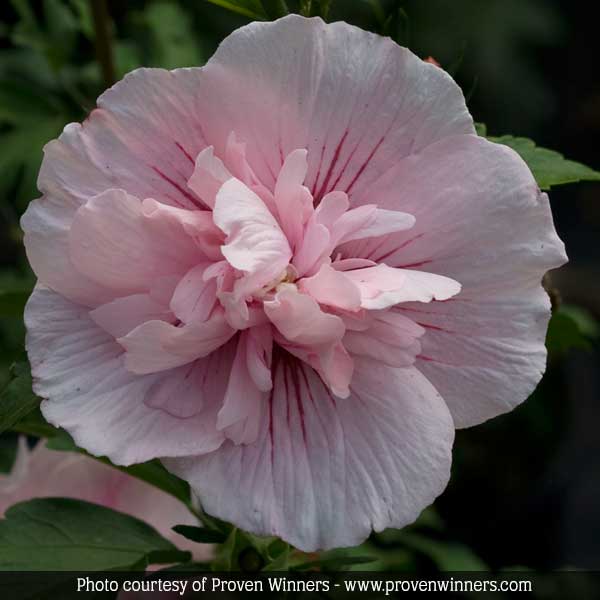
pixel 103 41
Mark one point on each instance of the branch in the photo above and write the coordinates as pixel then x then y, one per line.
pixel 103 41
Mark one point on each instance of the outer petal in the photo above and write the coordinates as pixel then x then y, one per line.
pixel 480 219
pixel 46 224
pixel 141 139
pixel 324 472
pixel 79 369
pixel 356 101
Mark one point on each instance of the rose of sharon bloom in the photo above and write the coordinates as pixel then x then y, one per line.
pixel 42 472
pixel 290 274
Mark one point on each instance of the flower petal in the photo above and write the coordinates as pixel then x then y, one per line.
pixel 115 244
pixel 141 139
pixel 300 319
pixel 244 403
pixel 255 243
pixel 332 288
pixel 258 356
pixel 158 346
pixel 42 473
pixel 391 338
pixel 356 101
pixel 78 369
pixel 318 243
pixel 324 472
pixel 169 222
pixel 122 315
pixel 195 297
pixel 382 286
pixel 209 175
pixel 480 219
pixel 294 202
pixel 368 221
pixel 46 224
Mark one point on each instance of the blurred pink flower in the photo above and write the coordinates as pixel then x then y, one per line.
pixel 253 270
pixel 41 472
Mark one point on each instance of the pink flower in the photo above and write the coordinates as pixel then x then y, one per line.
pixel 253 271
pixel 41 472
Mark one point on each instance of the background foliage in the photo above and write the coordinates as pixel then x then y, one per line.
pixel 525 489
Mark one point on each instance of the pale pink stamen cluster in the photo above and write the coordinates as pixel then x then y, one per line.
pixel 273 266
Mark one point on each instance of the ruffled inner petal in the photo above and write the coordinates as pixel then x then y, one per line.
pixel 382 286
pixel 158 346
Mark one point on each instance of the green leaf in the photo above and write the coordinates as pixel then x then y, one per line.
pixel 83 11
pixel 481 129
pixel 63 442
pixel 20 166
pixel 378 11
pixel 315 8
pixel 62 29
pixel 429 519
pixel 174 43
pixel 335 560
pixel 238 553
pixel 63 534
pixel 20 102
pixel 155 474
pixel 448 556
pixel 275 8
pixel 201 567
pixel 54 37
pixel 35 424
pixel 8 452
pixel 548 167
pixel 12 302
pixel 202 535
pixel 253 9
pixel 281 563
pixel 226 557
pixel 586 322
pixel 17 398
pixel 570 328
